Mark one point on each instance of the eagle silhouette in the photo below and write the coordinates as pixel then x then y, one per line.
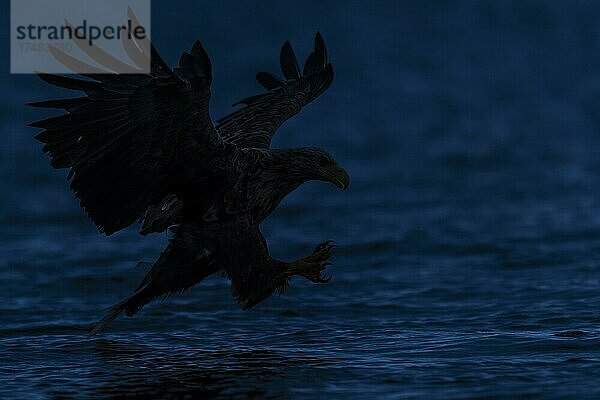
pixel 142 146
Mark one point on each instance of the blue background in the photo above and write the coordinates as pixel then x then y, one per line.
pixel 469 253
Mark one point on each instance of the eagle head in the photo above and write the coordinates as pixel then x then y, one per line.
pixel 320 165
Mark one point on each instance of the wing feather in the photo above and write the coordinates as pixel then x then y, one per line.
pixel 134 137
pixel 289 63
pixel 255 124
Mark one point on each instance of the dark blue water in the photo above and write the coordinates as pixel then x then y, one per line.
pixel 469 258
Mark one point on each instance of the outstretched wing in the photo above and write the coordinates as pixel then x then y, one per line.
pixel 256 123
pixel 133 138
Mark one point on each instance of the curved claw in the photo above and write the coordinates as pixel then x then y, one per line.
pixel 319 275
pixel 330 244
pixel 313 267
pixel 320 279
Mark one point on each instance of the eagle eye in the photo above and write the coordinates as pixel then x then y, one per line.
pixel 324 162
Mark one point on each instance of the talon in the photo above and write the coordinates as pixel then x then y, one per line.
pixel 325 246
pixel 313 266
pixel 322 279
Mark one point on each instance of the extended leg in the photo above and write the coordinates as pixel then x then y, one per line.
pixel 257 282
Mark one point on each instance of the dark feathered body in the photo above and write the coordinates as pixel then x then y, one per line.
pixel 144 146
pixel 235 250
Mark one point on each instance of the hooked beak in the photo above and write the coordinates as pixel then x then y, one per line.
pixel 339 177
